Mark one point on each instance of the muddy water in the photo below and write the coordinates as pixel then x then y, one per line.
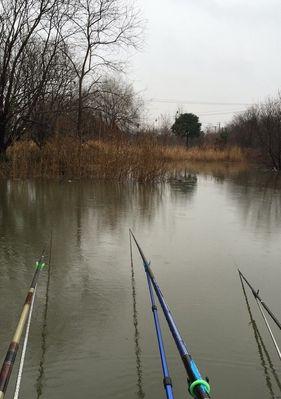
pixel 92 332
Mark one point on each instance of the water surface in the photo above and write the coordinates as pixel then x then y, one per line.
pixel 94 338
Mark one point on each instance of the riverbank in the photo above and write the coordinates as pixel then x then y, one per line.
pixel 143 159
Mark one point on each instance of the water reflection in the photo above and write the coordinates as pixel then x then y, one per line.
pixel 217 171
pixel 256 193
pixel 140 391
pixel 44 333
pixel 184 182
pixel 258 198
pixel 87 219
pixel 92 312
pixel 30 210
pixel 262 349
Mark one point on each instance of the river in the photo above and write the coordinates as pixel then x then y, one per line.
pixel 90 336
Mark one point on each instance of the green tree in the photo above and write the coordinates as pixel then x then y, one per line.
pixel 187 125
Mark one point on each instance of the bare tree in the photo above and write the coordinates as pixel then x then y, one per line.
pixel 47 47
pixel 56 99
pixel 30 36
pixel 97 32
pixel 259 127
pixel 243 128
pixel 269 131
pixel 117 105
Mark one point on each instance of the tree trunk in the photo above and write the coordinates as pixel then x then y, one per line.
pixel 80 110
pixel 3 144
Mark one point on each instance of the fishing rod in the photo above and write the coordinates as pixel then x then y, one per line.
pixel 263 352
pixel 257 296
pixel 10 358
pixel 24 347
pixel 269 329
pixel 25 342
pixel 261 304
pixel 167 379
pixel 198 387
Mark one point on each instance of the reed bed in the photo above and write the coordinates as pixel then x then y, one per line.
pixel 142 159
pixel 206 154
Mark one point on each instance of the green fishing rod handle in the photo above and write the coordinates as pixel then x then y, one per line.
pixel 199 382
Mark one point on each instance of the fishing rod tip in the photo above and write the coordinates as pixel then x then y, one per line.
pixel 132 234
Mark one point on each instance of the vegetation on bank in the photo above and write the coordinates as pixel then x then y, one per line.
pixel 142 159
pixel 55 61
pixel 69 81
pixel 257 129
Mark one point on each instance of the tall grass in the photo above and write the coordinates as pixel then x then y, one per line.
pixel 211 154
pixel 142 159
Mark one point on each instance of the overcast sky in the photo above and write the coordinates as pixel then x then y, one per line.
pixel 223 51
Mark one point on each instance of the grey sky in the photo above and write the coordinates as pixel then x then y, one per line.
pixel 208 51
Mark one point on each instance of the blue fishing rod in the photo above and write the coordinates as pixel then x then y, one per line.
pixel 198 387
pixel 167 379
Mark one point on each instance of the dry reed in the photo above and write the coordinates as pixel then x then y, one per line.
pixel 143 159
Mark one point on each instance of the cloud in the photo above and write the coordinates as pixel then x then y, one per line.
pixel 211 49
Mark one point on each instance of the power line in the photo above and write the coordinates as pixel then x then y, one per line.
pixel 175 101
pixel 210 123
pixel 221 113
